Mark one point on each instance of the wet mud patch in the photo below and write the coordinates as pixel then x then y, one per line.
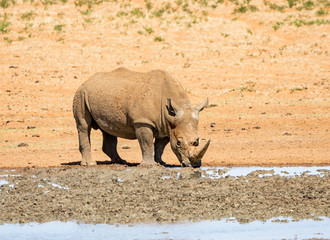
pixel 117 194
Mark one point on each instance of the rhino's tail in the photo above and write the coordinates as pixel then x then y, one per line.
pixel 81 110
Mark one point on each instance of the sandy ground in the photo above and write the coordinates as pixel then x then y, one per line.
pixel 120 195
pixel 265 72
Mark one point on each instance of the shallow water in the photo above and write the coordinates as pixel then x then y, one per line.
pixel 222 229
pixel 3 182
pixel 218 172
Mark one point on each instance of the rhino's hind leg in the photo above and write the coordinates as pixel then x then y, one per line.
pixel 84 122
pixel 110 148
pixel 160 144
pixel 84 125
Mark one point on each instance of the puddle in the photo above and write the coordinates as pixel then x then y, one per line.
pixel 58 186
pixel 3 182
pixel 223 229
pixel 9 175
pixel 218 172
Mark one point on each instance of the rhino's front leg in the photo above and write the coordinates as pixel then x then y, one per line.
pixel 144 134
pixel 160 144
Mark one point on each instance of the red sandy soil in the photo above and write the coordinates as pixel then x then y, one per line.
pixel 268 89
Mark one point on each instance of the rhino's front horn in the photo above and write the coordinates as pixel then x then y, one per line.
pixel 202 151
pixel 196 160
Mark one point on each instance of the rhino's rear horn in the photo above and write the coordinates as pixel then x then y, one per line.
pixel 203 105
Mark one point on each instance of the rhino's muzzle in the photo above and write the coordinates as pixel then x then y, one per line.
pixel 195 160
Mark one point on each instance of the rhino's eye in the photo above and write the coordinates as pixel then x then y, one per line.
pixel 178 143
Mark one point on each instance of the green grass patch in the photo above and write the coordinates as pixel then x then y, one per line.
pixel 291 3
pixel 6 3
pixel 59 27
pixel 88 20
pixel 88 11
pixel 8 40
pixel 292 90
pixel 122 14
pixel 158 13
pixel 309 5
pixel 137 12
pixel 4 24
pixel 87 3
pixel 47 3
pixel 276 7
pixel 148 5
pixel 159 39
pixel 250 87
pixel 302 22
pixel 277 25
pixel 28 15
pixel 149 30
pixel 321 12
pixel 244 7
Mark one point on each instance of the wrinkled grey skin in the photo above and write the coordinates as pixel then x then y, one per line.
pixel 151 107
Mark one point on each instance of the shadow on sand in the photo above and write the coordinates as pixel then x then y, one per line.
pixel 112 163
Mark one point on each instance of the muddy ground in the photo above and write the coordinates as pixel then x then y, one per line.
pixel 264 65
pixel 117 194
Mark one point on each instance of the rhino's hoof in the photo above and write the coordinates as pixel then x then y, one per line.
pixel 88 163
pixel 148 165
pixel 161 162
pixel 119 161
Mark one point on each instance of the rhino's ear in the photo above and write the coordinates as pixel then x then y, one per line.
pixel 203 105
pixel 173 110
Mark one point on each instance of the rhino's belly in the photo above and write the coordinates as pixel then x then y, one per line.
pixel 116 129
pixel 114 122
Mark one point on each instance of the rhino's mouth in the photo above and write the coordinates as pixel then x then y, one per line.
pixel 194 165
pixel 195 158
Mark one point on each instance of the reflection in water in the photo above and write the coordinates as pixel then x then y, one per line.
pixel 224 229
pixel 218 172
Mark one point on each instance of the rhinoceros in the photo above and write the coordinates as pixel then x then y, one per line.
pixel 151 107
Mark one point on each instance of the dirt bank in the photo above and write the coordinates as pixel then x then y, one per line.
pixel 118 194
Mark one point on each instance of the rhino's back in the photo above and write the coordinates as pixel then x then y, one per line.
pixel 120 98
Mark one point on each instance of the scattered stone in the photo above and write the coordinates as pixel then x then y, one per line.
pixel 196 174
pixel 22 145
pixel 211 105
pixel 256 127
pixel 228 130
pixel 287 134
pixel 212 125
pixel 31 127
pixel 35 135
